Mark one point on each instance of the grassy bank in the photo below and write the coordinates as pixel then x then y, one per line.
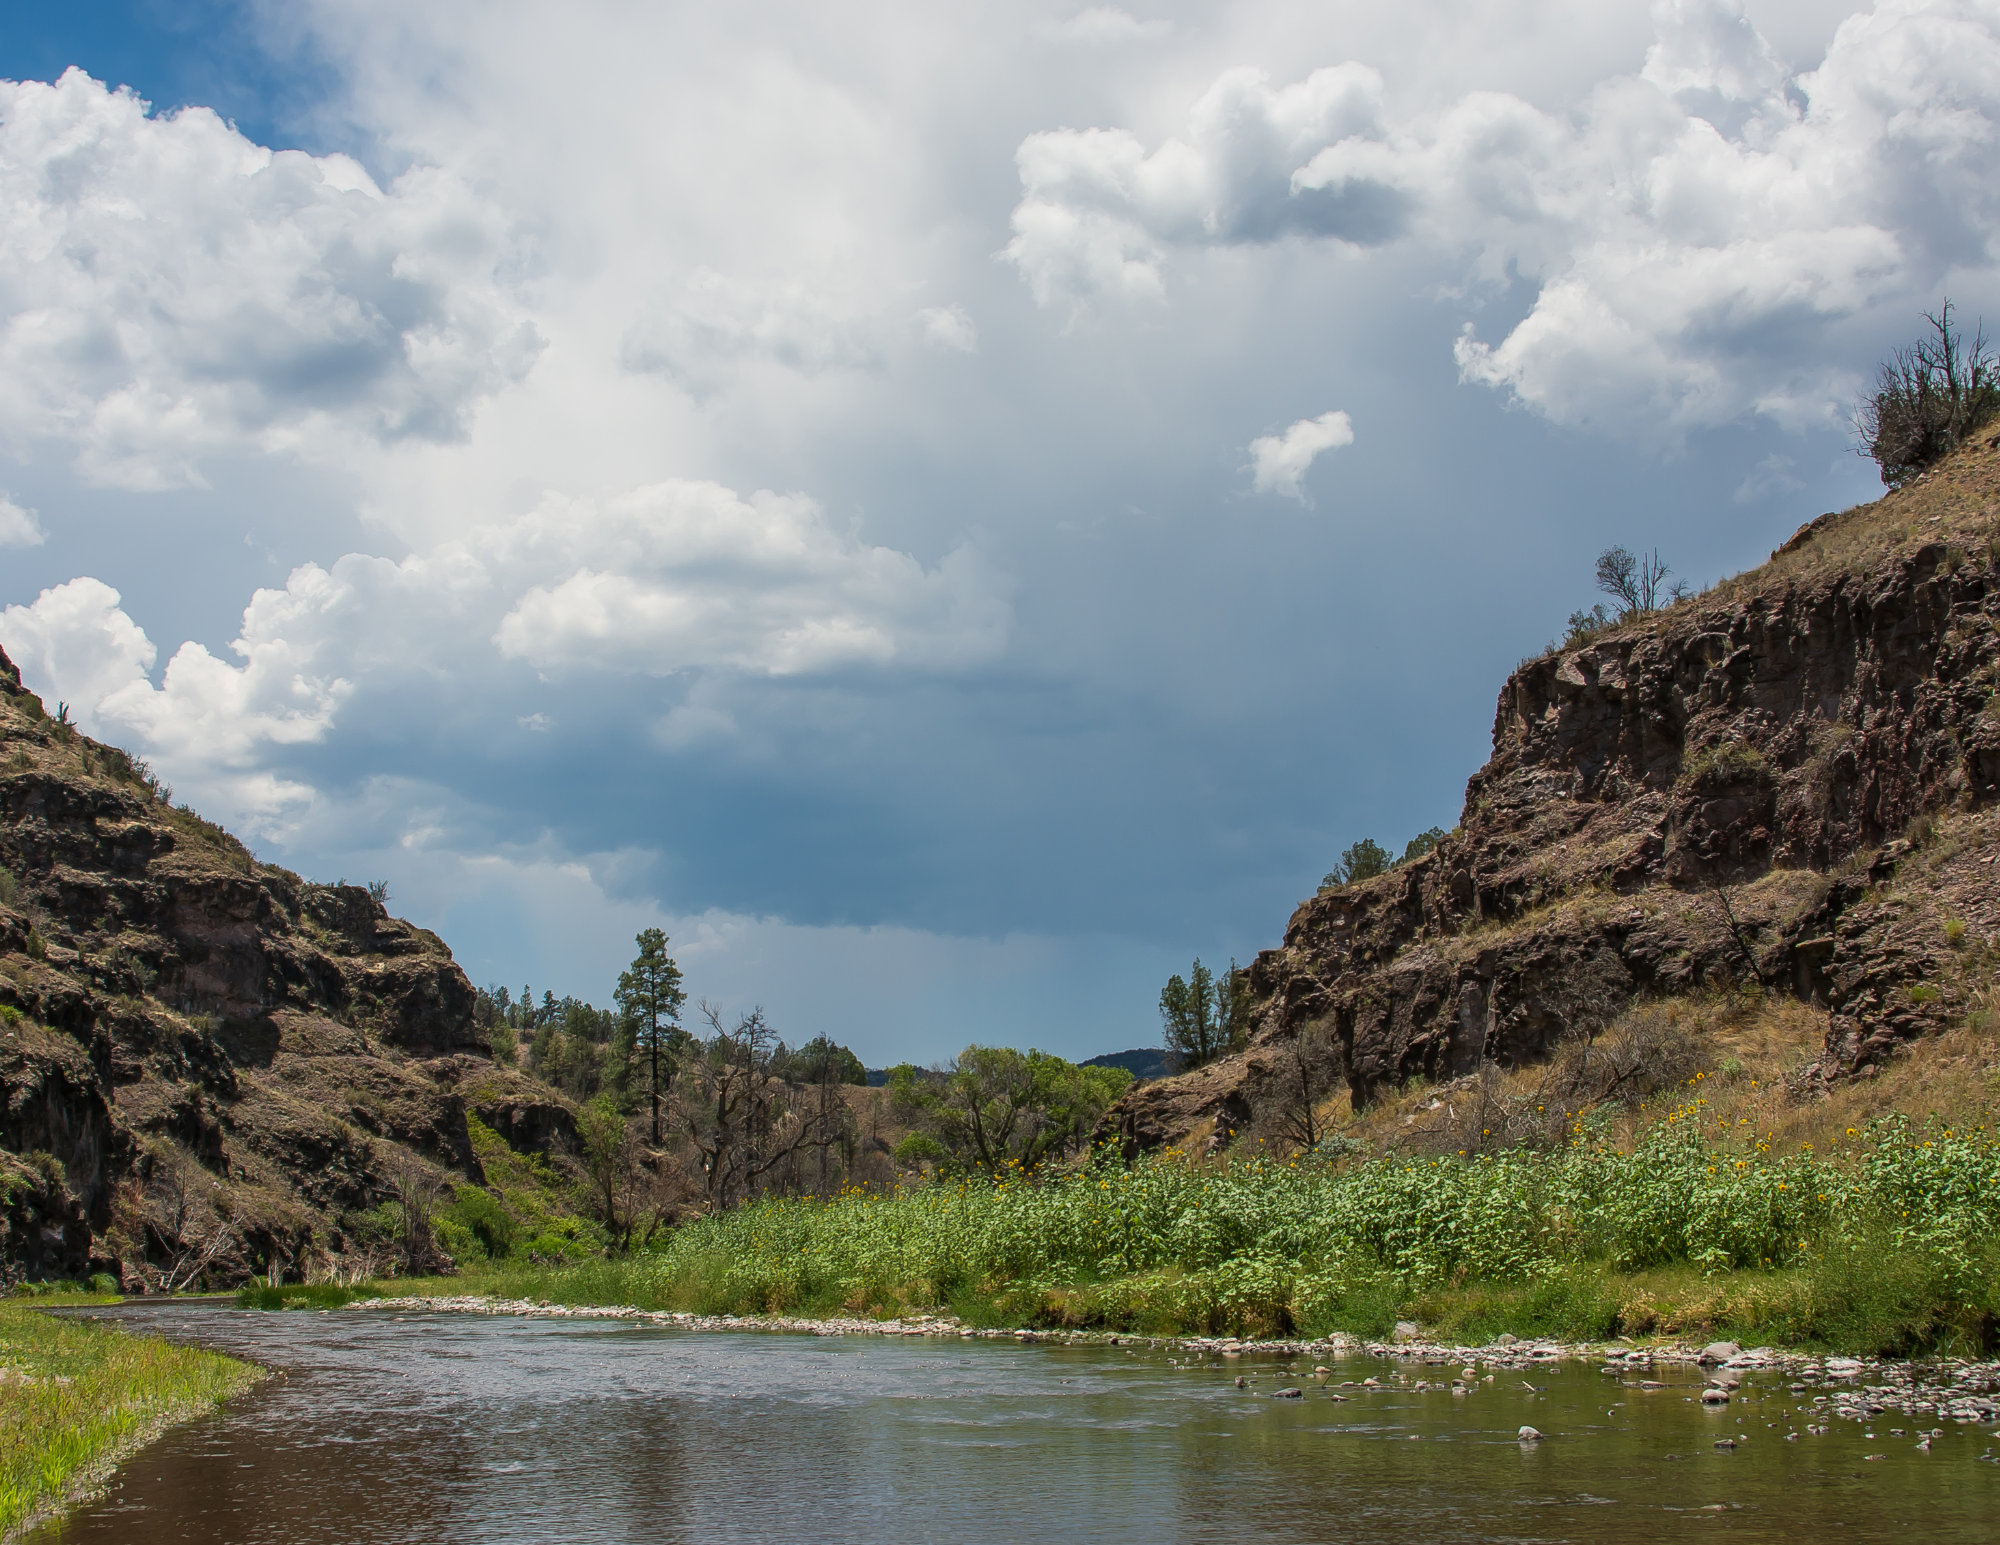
pixel 1884 1244
pixel 75 1398
pixel 1749 1201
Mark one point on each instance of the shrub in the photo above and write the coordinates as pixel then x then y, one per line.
pixel 1363 860
pixel 1927 398
pixel 1422 843
pixel 1732 763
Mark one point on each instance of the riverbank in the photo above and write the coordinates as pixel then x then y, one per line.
pixel 1852 1389
pixel 1880 1238
pixel 76 1398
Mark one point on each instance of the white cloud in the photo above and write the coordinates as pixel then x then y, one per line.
pixel 684 575
pixel 1098 212
pixel 210 723
pixel 949 327
pixel 1278 463
pixel 674 578
pixel 714 322
pixel 1695 231
pixel 74 645
pixel 171 290
pixel 18 526
pixel 1104 26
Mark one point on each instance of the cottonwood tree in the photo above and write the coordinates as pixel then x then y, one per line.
pixel 650 993
pixel 992 1108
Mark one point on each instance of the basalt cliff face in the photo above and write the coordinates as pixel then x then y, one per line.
pixel 198 1051
pixel 1789 779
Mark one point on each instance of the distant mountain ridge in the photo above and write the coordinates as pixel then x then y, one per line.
pixel 1142 1062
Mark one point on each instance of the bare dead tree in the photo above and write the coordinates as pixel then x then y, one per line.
pixel 745 1122
pixel 416 1186
pixel 1309 1073
pixel 185 1219
pixel 1637 582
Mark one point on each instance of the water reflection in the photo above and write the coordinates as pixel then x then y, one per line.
pixel 386 1428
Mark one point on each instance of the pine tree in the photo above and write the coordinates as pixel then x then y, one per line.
pixel 650 992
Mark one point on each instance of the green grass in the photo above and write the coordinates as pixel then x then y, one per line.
pixel 1887 1245
pixel 76 1397
pixel 317 1295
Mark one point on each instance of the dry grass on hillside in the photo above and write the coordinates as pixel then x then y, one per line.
pixel 1747 1057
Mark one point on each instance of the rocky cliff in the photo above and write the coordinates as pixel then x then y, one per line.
pixel 201 1053
pixel 1787 780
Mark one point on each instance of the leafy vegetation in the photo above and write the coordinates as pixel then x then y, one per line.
pixel 1886 1245
pixel 74 1397
pixel 1203 1015
pixel 994 1110
pixel 1366 859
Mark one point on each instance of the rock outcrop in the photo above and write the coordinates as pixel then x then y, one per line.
pixel 1739 787
pixel 188 1035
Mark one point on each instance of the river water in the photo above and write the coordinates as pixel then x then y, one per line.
pixel 381 1428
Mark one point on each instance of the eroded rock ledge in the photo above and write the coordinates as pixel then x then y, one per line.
pixel 1719 791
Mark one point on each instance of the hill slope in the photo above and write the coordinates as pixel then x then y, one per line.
pixel 200 1053
pixel 1787 782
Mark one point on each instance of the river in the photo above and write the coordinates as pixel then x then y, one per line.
pixel 381 1428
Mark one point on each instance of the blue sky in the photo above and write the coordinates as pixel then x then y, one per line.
pixel 951 514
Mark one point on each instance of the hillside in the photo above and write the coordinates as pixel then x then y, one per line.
pixel 202 1055
pixel 1785 784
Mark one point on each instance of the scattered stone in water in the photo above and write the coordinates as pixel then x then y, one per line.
pixel 1725 1443
pixel 1529 1435
pixel 1714 1397
pixel 1288 1394
pixel 1717 1352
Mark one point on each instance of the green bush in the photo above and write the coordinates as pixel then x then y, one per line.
pixel 1529 1238
pixel 481 1219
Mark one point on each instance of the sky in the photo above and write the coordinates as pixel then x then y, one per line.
pixel 951 511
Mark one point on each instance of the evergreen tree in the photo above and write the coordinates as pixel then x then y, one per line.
pixel 650 992
pixel 1202 1015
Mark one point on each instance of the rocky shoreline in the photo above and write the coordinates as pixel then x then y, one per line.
pixel 1855 1389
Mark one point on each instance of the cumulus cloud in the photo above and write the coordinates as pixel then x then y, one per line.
pixel 714 322
pixel 18 526
pixel 211 722
pixel 685 575
pixel 1693 230
pixel 674 578
pixel 949 327
pixel 1098 213
pixel 1278 463
pixel 1103 26
pixel 171 289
